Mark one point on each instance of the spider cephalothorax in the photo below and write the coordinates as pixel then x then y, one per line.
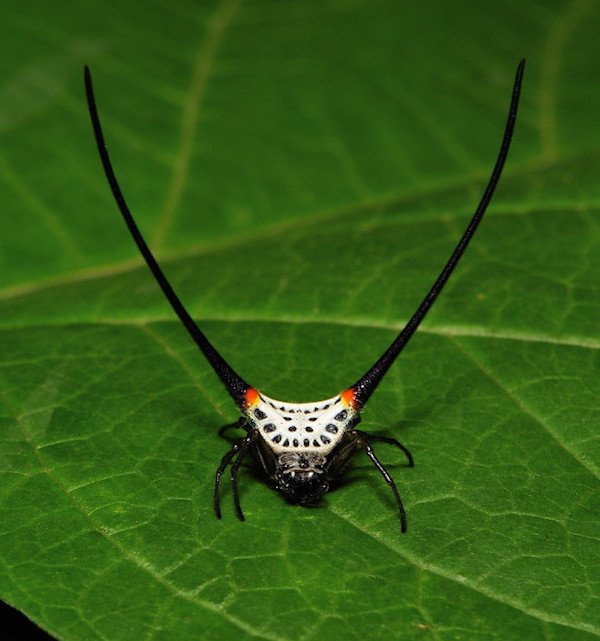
pixel 302 447
pixel 301 476
pixel 293 427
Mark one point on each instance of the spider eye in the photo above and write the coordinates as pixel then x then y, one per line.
pixel 298 476
pixel 301 476
pixel 303 462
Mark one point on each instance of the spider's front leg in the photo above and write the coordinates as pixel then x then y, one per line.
pixel 239 424
pixel 362 440
pixel 240 447
pixel 389 441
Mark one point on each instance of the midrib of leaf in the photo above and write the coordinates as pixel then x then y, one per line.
pixel 203 66
pixel 447 331
pixel 321 217
pixel 553 54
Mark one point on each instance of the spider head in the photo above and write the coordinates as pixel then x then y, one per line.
pixel 301 476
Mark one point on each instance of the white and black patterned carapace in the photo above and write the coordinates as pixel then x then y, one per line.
pixel 302 447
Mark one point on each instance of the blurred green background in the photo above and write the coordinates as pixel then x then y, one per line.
pixel 302 170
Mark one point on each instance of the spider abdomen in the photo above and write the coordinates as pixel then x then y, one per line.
pixel 309 428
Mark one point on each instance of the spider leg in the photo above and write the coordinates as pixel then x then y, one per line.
pixel 338 464
pixel 231 426
pixel 389 441
pixel 243 449
pixel 260 457
pixel 364 443
pixel 225 461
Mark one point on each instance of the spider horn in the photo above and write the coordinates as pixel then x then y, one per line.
pixel 235 385
pixel 365 386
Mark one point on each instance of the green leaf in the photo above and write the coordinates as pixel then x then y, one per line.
pixel 302 170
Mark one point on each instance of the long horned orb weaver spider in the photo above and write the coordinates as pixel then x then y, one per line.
pixel 302 447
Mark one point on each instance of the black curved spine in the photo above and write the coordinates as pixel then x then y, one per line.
pixel 235 384
pixel 365 386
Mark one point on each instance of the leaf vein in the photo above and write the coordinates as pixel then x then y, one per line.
pixel 523 407
pixel 203 68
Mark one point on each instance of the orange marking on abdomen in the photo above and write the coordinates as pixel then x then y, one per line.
pixel 349 398
pixel 251 397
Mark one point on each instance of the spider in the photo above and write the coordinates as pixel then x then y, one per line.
pixel 302 447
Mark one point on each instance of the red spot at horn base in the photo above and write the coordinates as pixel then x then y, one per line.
pixel 251 397
pixel 349 398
